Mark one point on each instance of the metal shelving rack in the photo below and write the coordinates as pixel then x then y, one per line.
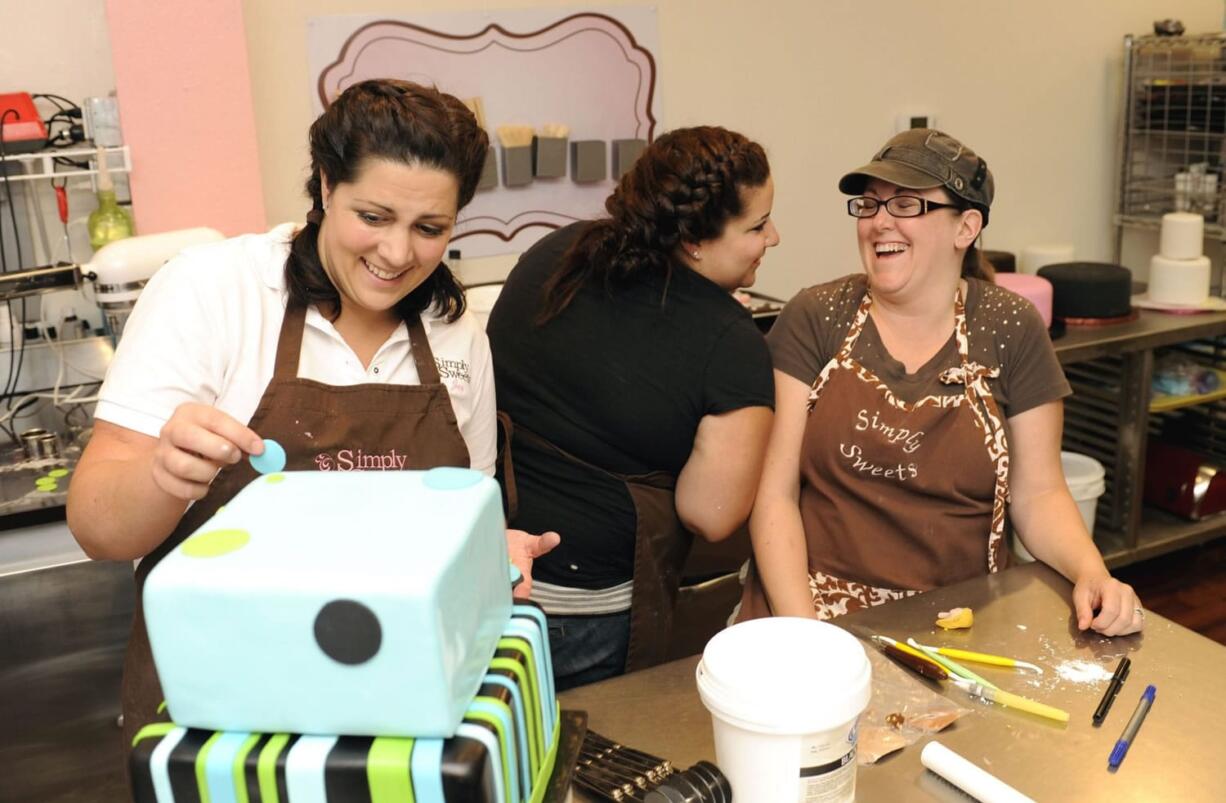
pixel 1108 417
pixel 1172 138
pixel 1172 156
pixel 41 164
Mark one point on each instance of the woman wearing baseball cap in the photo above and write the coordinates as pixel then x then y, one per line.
pixel 916 403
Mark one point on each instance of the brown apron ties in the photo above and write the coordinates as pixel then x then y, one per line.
pixel 322 427
pixel 895 496
pixel 661 544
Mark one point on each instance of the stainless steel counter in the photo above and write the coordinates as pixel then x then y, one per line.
pixel 1023 613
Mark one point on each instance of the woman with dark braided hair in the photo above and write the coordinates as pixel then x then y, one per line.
pixel 343 336
pixel 639 392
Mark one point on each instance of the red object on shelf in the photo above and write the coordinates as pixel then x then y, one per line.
pixel 1182 481
pixel 61 202
pixel 22 128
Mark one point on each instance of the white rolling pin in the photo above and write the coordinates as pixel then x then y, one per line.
pixel 977 783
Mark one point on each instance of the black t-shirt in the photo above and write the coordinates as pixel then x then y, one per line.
pixel 620 380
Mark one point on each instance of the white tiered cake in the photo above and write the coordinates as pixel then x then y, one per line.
pixel 1179 272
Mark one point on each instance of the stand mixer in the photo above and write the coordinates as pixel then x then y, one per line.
pixel 119 271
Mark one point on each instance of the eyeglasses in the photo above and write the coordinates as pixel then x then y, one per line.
pixel 898 206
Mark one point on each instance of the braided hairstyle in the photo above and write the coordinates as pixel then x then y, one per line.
pixel 683 189
pixel 400 122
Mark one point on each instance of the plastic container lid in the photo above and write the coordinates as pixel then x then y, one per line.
pixel 785 675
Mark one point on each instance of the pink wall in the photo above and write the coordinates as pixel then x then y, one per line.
pixel 184 89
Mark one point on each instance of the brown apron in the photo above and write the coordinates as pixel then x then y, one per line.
pixel 661 544
pixel 314 422
pixel 897 497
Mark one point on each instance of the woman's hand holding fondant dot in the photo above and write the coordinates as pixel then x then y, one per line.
pixel 272 460
pixel 196 442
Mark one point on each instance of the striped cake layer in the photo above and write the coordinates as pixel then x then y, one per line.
pixel 503 752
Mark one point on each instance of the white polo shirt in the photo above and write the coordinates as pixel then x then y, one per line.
pixel 205 330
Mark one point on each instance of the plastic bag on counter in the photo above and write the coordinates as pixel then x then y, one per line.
pixel 1179 375
pixel 903 708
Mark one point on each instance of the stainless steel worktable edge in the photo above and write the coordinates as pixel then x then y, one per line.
pixel 1023 613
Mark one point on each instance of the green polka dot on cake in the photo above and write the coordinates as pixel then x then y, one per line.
pixel 47 488
pixel 57 473
pixel 215 543
pixel 273 479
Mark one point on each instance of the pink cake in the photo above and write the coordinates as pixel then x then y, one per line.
pixel 1034 289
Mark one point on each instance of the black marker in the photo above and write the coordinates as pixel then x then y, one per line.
pixel 1113 688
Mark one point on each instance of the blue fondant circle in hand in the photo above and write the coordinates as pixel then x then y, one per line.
pixel 451 479
pixel 273 459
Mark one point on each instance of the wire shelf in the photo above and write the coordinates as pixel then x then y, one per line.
pixel 1173 129
pixel 41 164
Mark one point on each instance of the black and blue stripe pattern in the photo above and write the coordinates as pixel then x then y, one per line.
pixel 503 752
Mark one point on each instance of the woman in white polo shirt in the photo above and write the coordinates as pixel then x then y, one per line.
pixel 344 340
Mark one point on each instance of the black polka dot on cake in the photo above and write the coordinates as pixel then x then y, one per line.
pixel 348 631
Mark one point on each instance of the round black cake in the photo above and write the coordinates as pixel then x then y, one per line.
pixel 1089 290
pixel 1002 261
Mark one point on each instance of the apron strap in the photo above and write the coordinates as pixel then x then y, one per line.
pixel 289 343
pixel 974 382
pixel 857 325
pixel 419 344
pixel 506 431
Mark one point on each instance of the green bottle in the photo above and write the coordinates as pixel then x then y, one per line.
pixel 110 221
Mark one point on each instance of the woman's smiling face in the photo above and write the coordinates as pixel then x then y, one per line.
pixel 901 253
pixel 732 259
pixel 385 233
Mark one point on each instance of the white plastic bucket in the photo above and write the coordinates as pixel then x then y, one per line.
pixel 784 695
pixel 1086 479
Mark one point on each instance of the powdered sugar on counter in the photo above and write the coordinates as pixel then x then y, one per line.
pixel 1083 672
pixel 1060 671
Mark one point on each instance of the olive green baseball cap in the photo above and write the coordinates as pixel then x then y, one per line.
pixel 923 158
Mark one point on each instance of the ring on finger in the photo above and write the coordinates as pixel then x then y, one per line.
pixel 1139 611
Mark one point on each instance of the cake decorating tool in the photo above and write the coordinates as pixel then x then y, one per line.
pixel 953 666
pixel 905 648
pixel 271 461
pixel 1009 700
pixel 924 667
pixel 981 658
pixel 910 657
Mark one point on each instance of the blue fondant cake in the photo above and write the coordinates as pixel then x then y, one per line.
pixel 341 603
pixel 503 750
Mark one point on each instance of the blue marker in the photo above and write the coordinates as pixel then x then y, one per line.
pixel 272 460
pixel 1130 730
